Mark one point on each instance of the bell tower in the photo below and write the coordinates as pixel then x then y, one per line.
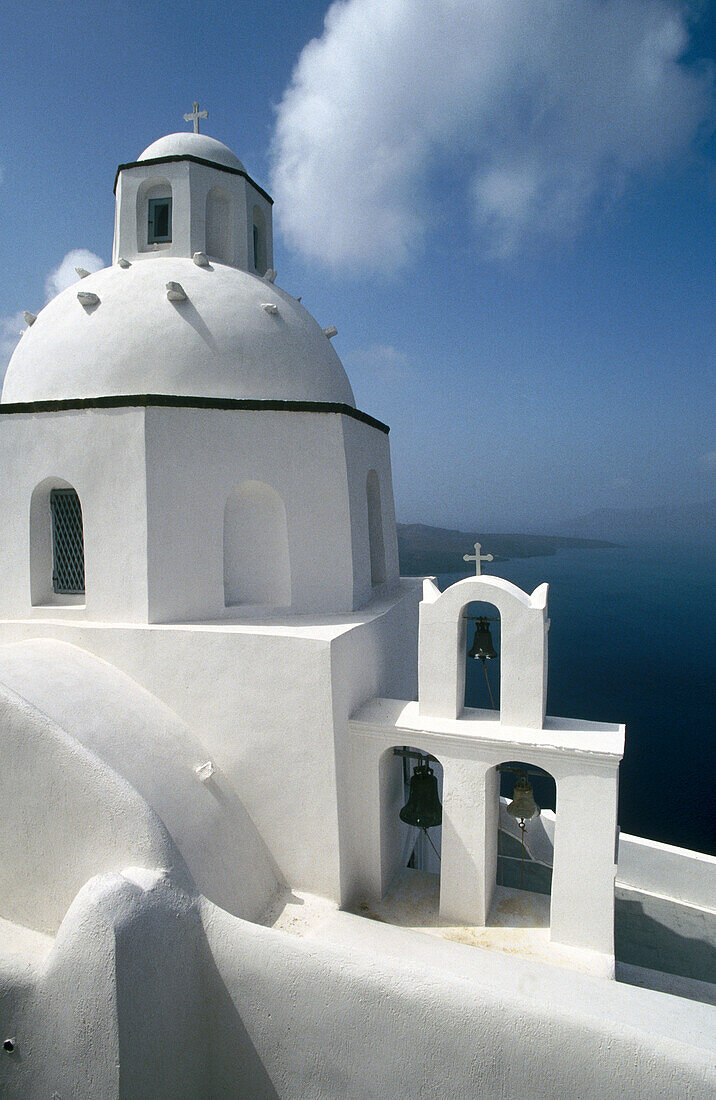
pixel 186 194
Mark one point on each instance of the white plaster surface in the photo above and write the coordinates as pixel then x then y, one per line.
pixel 662 869
pixel 219 343
pixel 262 700
pixel 154 511
pixel 523 660
pixel 189 144
pixel 143 753
pixel 582 757
pixel 517 923
pixel 443 1019
pixel 162 936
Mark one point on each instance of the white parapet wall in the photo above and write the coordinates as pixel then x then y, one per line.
pixel 653 868
pixel 149 991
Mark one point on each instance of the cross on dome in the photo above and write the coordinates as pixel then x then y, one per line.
pixel 195 115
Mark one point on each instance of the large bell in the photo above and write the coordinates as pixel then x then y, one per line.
pixel 482 647
pixel 523 805
pixel 423 807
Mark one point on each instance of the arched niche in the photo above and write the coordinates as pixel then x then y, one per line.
pixel 442 641
pixel 256 556
pixel 56 544
pixel 154 214
pixel 376 540
pixel 218 225
pixel 257 243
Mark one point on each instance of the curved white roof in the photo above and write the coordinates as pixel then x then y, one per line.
pixel 195 145
pixel 86 701
pixel 219 343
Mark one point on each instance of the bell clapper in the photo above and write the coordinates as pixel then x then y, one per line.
pixel 522 826
pixel 428 838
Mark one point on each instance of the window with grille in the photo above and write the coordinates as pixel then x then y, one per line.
pixel 68 552
pixel 159 217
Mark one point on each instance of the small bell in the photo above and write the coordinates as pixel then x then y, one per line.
pixel 423 807
pixel 523 805
pixel 482 647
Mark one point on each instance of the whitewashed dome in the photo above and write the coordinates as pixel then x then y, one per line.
pixel 219 343
pixel 192 145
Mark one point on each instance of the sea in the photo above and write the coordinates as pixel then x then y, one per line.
pixel 633 640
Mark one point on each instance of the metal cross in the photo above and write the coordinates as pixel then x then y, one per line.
pixel 195 115
pixel 477 557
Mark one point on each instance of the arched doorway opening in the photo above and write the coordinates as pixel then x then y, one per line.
pixel 482 656
pixel 526 817
pixel 256 557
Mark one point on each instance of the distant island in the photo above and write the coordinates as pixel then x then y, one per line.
pixel 693 523
pixel 425 549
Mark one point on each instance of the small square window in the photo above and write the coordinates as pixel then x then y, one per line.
pixel 159 229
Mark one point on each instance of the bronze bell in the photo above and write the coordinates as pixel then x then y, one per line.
pixel 523 806
pixel 423 807
pixel 482 647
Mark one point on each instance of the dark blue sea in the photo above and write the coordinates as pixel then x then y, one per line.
pixel 632 639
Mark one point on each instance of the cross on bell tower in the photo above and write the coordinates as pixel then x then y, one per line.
pixel 194 116
pixel 478 558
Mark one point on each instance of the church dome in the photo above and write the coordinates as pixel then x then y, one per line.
pixel 194 145
pixel 221 342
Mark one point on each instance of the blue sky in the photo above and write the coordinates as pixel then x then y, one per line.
pixel 506 210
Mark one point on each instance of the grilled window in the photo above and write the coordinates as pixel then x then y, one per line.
pixel 68 553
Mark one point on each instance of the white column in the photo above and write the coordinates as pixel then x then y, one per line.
pixel 469 840
pixel 582 912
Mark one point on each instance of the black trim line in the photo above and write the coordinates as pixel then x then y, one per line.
pixel 172 401
pixel 195 160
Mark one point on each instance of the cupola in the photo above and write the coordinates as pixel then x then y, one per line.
pixel 189 306
pixel 187 193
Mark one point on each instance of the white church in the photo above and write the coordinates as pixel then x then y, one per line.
pixel 253 842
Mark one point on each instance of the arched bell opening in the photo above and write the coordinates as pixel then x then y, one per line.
pixel 482 656
pixel 411 784
pixel 527 799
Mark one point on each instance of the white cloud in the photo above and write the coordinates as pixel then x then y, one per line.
pixel 380 355
pixel 64 274
pixel 537 108
pixel 382 362
pixel 11 329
